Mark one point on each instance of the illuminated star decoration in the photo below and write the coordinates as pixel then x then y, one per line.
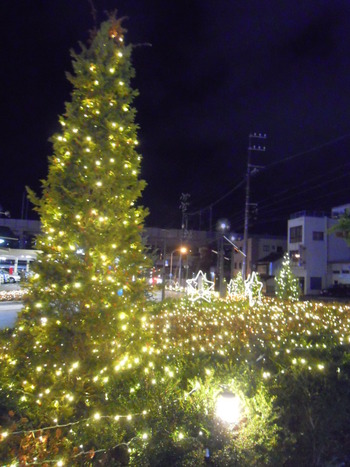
pixel 253 288
pixel 200 287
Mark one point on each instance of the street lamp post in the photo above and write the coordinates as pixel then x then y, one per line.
pixel 222 226
pixel 182 251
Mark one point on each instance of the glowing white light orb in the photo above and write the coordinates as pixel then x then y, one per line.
pixel 228 408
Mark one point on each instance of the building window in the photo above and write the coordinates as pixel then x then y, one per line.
pixel 336 272
pixel 266 248
pixel 315 283
pixel 296 234
pixel 240 265
pixel 235 265
pixel 319 236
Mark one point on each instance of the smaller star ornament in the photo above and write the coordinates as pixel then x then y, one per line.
pixel 200 287
pixel 253 288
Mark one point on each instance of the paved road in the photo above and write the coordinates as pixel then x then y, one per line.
pixel 9 310
pixel 8 313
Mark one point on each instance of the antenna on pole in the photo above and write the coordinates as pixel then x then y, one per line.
pixel 251 169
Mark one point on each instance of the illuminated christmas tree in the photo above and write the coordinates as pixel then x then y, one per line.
pixel 85 303
pixel 91 243
pixel 287 284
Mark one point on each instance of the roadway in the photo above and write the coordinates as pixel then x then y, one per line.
pixel 8 313
pixel 9 310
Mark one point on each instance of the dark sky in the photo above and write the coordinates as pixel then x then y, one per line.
pixel 216 71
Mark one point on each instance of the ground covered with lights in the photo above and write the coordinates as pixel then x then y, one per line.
pixel 151 399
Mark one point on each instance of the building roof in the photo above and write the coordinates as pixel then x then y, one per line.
pixel 271 257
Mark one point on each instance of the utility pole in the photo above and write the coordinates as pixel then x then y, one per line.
pixel 251 169
pixel 184 218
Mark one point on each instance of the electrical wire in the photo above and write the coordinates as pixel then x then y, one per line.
pixel 273 164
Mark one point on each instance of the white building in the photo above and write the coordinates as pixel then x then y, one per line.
pixel 319 258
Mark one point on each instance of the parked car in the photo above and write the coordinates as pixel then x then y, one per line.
pixel 7 278
pixel 2 276
pixel 337 290
pixel 12 278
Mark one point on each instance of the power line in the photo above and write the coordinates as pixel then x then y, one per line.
pixel 305 190
pixel 271 165
pixel 218 200
pixel 308 151
pixel 287 190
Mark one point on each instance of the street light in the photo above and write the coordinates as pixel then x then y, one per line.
pixel 182 250
pixel 222 226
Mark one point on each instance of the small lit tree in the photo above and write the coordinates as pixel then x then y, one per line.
pixel 287 284
pixel 236 287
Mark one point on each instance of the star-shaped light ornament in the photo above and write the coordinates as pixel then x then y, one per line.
pixel 200 287
pixel 253 288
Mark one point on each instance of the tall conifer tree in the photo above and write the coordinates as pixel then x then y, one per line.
pixel 82 314
pixel 91 241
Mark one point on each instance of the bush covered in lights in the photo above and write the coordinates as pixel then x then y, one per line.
pixel 151 401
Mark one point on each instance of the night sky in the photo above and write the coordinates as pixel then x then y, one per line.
pixel 209 73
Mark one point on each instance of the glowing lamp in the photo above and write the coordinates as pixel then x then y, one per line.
pixel 228 408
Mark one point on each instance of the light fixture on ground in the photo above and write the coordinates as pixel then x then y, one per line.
pixel 228 407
